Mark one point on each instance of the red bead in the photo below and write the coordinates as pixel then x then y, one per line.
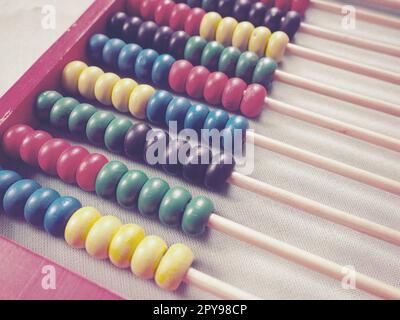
pixel 284 5
pixel 49 153
pixel 147 9
pixel 31 145
pixel 193 21
pixel 13 138
pixel 253 100
pixel 214 87
pixel 69 161
pixel 88 169
pixel 133 7
pixel 178 16
pixel 178 74
pixel 163 12
pixel 233 94
pixel 300 6
pixel 196 81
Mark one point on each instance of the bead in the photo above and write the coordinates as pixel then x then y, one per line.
pixel 31 145
pixel 79 117
pixel 17 194
pixel 163 11
pixel 162 39
pixel 156 147
pixel 144 64
pixel 225 7
pixel 139 99
pixel 133 7
pixel 49 153
pixel 225 31
pixel 44 103
pixel 211 54
pixel 258 40
pixel 228 60
pixel 147 9
pixel 241 10
pixel 130 29
pixel 291 23
pixel 157 106
pixel 37 205
pixel 273 18
pixel 173 205
pixel 109 177
pixel 129 187
pixel 116 23
pixel 209 25
pixel 178 75
pixel 127 58
pixel 70 76
pixel 79 225
pixel 209 5
pixel 253 100
pixel 88 169
pixel 114 135
pixel 173 267
pixel 172 164
pixel 194 49
pixel 176 111
pixel 161 70
pixel 177 44
pixel 135 140
pixel 13 138
pixel 61 111
pixel 245 66
pixel 194 3
pixel 241 35
pixel 196 215
pixel 100 236
pixel 69 161
pixel 233 93
pixel 214 87
pixel 121 92
pixel 111 52
pixel 195 82
pixel 219 171
pixel 300 6
pixel 193 21
pixel 196 164
pixel 97 125
pixel 257 13
pixel 216 119
pixel 284 5
pixel 235 131
pixel 147 256
pixel 195 117
pixel 58 214
pixel 145 34
pixel 264 71
pixel 95 47
pixel 124 244
pixel 277 45
pixel 7 178
pixel 178 16
pixel 104 87
pixel 151 195
pixel 87 81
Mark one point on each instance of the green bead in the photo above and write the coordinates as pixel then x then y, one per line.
pixel 211 54
pixel 108 178
pixel 61 111
pixel 44 103
pixel 79 117
pixel 193 49
pixel 115 134
pixel 196 215
pixel 151 195
pixel 173 205
pixel 264 71
pixel 228 60
pixel 129 187
pixel 245 66
pixel 97 125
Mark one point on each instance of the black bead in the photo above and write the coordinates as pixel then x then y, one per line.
pixel 225 7
pixel 116 23
pixel 161 138
pixel 195 168
pixel 273 19
pixel 177 44
pixel 135 140
pixel 146 33
pixel 219 171
pixel 291 23
pixel 130 29
pixel 241 10
pixel 173 165
pixel 257 13
pixel 162 39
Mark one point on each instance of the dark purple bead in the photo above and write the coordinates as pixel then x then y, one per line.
pixel 273 19
pixel 146 33
pixel 241 10
pixel 219 171
pixel 209 5
pixel 195 168
pixel 130 29
pixel 173 166
pixel 135 140
pixel 257 14
pixel 156 146
pixel 291 23
pixel 162 39
pixel 225 7
pixel 116 23
pixel 177 44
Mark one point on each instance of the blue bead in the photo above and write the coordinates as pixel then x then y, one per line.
pixel 144 64
pixel 127 58
pixel 16 196
pixel 111 52
pixel 157 106
pixel 216 119
pixel 161 68
pixel 7 178
pixel 37 205
pixel 235 129
pixel 196 116
pixel 177 110
pixel 58 214
pixel 95 47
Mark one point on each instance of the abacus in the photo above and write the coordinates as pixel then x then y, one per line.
pixel 135 56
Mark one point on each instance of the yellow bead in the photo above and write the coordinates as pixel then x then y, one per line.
pixel 87 81
pixel 124 244
pixel 208 25
pixel 104 88
pixel 259 40
pixel 70 76
pixel 241 35
pixel 99 237
pixel 277 45
pixel 147 256
pixel 121 93
pixel 173 267
pixel 138 100
pixel 79 225
pixel 225 31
